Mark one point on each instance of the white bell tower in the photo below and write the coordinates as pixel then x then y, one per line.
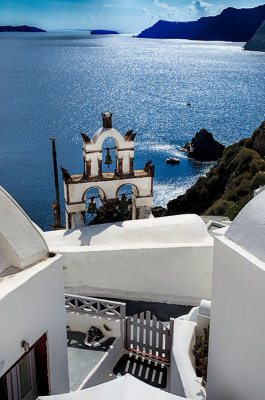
pixel 108 183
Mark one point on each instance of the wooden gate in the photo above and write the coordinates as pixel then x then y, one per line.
pixel 148 337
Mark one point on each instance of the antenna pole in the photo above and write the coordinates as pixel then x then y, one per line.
pixel 56 205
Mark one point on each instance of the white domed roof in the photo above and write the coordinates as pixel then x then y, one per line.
pixel 21 243
pixel 248 228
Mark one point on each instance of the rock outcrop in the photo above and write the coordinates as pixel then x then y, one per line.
pixel 21 28
pixel 229 185
pixel 257 42
pixel 236 25
pixel 203 147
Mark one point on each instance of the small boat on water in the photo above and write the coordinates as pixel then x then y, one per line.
pixel 188 104
pixel 181 148
pixel 172 160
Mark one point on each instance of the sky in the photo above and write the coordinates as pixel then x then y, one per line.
pixel 120 15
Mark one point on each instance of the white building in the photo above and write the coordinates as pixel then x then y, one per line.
pixel 164 259
pixel 237 352
pixel 33 353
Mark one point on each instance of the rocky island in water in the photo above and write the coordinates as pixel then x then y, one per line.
pixel 235 25
pixel 203 147
pixel 103 32
pixel 21 28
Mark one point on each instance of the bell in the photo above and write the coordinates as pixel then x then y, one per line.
pixel 92 207
pixel 108 159
pixel 123 204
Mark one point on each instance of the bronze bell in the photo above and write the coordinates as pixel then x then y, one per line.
pixel 92 207
pixel 123 204
pixel 108 159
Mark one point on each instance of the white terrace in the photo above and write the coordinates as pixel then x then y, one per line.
pixel 160 260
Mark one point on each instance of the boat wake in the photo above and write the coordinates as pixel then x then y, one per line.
pixel 168 149
pixel 163 193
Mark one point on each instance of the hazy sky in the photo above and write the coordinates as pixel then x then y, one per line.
pixel 121 15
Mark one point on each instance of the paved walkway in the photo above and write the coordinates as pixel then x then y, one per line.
pixel 81 358
pixel 150 372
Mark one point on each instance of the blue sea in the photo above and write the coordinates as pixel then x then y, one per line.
pixel 58 83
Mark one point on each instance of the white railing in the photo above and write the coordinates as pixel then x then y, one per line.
pixel 92 305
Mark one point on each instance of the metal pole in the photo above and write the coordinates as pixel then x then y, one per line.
pixel 56 211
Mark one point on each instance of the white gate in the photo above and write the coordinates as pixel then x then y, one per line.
pixel 148 337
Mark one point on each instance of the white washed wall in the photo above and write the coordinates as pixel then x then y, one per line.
pixel 237 352
pixel 183 380
pixel 31 304
pixel 178 274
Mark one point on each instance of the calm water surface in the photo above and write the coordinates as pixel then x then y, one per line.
pixel 57 83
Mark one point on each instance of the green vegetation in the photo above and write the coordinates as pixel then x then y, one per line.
pixel 200 351
pixel 229 185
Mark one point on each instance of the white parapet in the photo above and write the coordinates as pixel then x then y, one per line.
pixel 183 380
pixel 158 259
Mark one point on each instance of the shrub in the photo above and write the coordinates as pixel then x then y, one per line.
pixel 243 142
pixel 230 151
pixel 244 188
pixel 232 211
pixel 258 180
pixel 241 162
pixel 219 207
pixel 200 351
pixel 231 195
pixel 248 142
pixel 255 165
pixel 213 182
pixel 203 194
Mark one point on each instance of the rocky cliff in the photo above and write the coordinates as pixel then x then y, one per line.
pixel 257 42
pixel 229 185
pixel 236 25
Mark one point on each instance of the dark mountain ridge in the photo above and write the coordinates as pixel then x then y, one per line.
pixel 236 25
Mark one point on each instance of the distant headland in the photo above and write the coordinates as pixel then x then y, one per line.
pixel 103 32
pixel 235 25
pixel 257 42
pixel 21 28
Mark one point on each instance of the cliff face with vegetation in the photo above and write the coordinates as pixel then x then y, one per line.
pixel 229 185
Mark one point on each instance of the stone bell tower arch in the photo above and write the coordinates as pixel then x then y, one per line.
pixel 109 183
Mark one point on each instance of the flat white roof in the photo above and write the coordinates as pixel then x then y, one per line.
pixel 178 229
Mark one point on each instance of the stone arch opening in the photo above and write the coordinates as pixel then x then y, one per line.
pixel 127 194
pixel 93 199
pixel 101 135
pixel 126 188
